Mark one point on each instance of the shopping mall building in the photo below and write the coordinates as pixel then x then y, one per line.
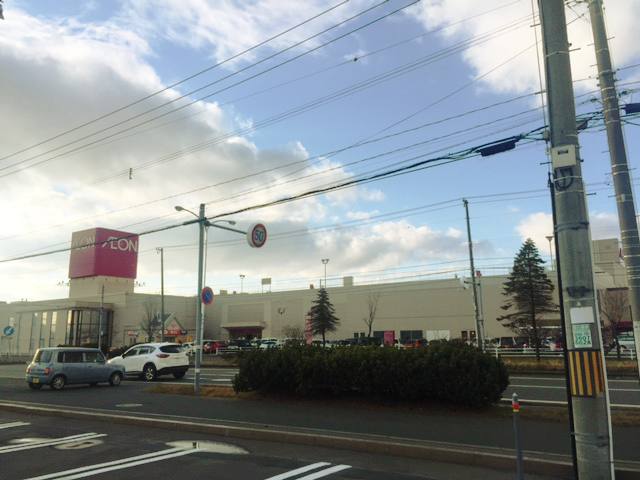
pixel 102 302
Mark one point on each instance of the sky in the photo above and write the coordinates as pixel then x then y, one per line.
pixel 304 116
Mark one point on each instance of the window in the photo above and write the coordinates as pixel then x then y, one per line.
pixel 411 334
pixel 43 356
pixel 70 357
pixel 93 357
pixel 171 349
pixel 52 335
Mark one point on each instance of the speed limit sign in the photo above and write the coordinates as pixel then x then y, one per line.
pixel 257 235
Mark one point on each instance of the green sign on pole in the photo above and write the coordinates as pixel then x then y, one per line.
pixel 582 335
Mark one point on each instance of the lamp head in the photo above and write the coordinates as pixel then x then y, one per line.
pixel 179 208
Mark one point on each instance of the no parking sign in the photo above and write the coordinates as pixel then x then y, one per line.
pixel 207 296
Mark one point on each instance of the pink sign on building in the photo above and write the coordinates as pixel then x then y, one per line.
pixel 100 251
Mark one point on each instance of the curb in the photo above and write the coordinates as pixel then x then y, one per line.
pixel 556 466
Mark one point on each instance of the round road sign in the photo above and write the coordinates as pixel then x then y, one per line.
pixel 257 235
pixel 207 295
pixel 8 331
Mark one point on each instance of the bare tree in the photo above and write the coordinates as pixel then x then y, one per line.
pixel 372 306
pixel 150 323
pixel 614 308
pixel 293 332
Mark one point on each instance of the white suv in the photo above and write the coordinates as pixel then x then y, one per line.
pixel 149 360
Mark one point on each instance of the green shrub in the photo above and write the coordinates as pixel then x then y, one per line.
pixel 449 372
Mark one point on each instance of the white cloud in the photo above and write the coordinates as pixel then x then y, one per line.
pixel 540 225
pixel 520 74
pixel 537 227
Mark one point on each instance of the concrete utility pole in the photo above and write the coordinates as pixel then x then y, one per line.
pixel 584 338
pixel 161 251
pixel 476 299
pixel 619 164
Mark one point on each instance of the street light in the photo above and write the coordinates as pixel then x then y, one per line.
pixel 241 282
pixel 202 223
pixel 325 261
pixel 550 237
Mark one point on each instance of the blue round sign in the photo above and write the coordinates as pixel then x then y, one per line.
pixel 8 331
pixel 207 295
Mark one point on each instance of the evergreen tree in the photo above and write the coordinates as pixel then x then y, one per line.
pixel 529 293
pixel 322 315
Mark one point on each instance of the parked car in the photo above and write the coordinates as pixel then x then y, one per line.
pixel 625 340
pixel 189 348
pixel 512 342
pixel 414 343
pixel 239 344
pixel 62 366
pixel 265 345
pixel 214 346
pixel 150 360
pixel 396 343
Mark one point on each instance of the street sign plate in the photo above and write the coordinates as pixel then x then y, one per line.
pixel 582 335
pixel 207 296
pixel 257 235
pixel 8 331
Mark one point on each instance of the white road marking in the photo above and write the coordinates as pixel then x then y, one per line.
pixel 325 472
pixel 50 443
pixel 13 424
pixel 116 464
pixel 298 471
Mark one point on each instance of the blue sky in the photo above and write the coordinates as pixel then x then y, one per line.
pixel 240 104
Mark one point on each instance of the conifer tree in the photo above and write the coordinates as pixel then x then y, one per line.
pixel 323 317
pixel 529 293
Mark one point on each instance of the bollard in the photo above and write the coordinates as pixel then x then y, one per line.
pixel 516 424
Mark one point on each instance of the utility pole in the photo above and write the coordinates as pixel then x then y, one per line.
pixel 619 164
pixel 101 317
pixel 161 250
pixel 476 300
pixel 584 338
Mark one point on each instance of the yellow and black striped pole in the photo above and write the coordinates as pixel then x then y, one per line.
pixel 586 373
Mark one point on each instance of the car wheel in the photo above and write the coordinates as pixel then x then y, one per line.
pixel 149 373
pixel 35 386
pixel 58 383
pixel 179 375
pixel 115 379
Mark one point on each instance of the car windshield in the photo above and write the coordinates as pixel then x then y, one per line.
pixel 42 356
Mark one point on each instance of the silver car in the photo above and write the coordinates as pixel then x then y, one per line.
pixel 62 366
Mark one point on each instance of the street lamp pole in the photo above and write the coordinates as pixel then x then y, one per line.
pixel 200 310
pixel 325 261
pixel 550 237
pixel 241 282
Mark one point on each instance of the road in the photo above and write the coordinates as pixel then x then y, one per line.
pixel 33 447
pixel 552 389
pixel 464 430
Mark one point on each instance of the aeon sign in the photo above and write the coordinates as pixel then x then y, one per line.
pixel 103 252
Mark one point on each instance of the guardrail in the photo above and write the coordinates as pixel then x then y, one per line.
pixel 627 353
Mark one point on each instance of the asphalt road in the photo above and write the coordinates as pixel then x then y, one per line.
pixel 464 429
pixel 35 447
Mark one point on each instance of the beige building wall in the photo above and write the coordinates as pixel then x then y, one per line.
pixel 435 307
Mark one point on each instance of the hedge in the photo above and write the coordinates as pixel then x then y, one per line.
pixel 451 372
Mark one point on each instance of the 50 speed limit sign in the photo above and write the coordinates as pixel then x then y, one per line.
pixel 257 235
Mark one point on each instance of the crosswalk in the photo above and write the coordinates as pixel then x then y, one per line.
pixel 214 376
